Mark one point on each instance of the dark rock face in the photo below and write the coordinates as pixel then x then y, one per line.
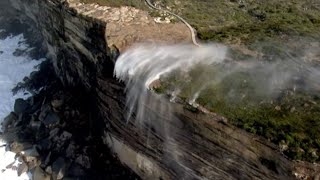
pixel 77 46
pixel 59 143
pixel 21 106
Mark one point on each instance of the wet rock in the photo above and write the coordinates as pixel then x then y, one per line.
pixel 51 120
pixel 39 174
pixel 21 106
pixel 22 168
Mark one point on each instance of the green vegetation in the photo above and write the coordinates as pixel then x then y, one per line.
pixel 231 21
pixel 292 118
pixel 288 117
pixel 235 21
pixel 140 4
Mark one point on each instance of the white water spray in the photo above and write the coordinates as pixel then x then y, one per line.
pixel 12 70
pixel 194 69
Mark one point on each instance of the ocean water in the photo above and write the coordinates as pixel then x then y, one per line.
pixel 12 71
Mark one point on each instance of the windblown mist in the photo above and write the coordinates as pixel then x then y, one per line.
pixel 188 71
pixel 211 76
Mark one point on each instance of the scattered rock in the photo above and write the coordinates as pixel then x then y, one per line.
pixel 9 166
pixel 22 168
pixel 278 108
pixel 21 106
pixel 17 147
pixel 283 146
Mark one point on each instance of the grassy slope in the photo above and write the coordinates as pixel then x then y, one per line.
pixel 230 20
pixel 246 21
pixel 296 124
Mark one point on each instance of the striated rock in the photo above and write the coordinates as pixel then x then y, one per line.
pixel 77 37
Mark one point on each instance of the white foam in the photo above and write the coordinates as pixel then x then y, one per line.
pixel 12 70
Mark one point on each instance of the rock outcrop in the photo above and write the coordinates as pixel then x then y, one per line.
pixel 83 41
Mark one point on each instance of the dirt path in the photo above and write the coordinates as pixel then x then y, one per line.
pixel 193 32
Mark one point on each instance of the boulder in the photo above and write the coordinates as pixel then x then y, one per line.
pixel 21 106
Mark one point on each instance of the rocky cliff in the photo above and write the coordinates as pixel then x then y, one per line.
pixel 83 41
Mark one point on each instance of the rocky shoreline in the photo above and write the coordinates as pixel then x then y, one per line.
pixel 55 132
pixel 54 135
